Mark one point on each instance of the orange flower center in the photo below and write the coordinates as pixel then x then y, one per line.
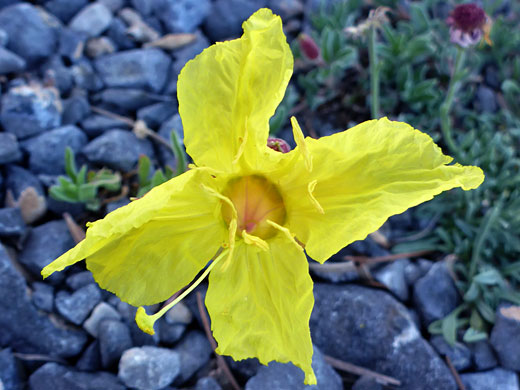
pixel 256 200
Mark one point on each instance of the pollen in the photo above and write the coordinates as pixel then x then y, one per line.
pixel 256 201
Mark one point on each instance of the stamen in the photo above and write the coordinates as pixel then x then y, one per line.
pixel 310 190
pixel 146 322
pixel 301 144
pixel 254 240
pixel 287 233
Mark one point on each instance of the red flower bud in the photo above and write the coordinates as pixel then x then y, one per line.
pixel 278 144
pixel 309 47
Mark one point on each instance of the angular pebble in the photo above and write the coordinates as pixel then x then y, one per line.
pixel 85 77
pixel 9 371
pixel 181 16
pixel 194 351
pixel 30 34
pixel 505 336
pixel 12 224
pixel 75 109
pixel 139 68
pixel 371 329
pixel 156 114
pixel 227 17
pixel 65 9
pixel 10 62
pixel 483 355
pixel 30 110
pixel 9 149
pixel 289 377
pixel 435 295
pixel 79 279
pixel 149 368
pixel 129 99
pixel 366 383
pixel 207 383
pixel 117 149
pixel 90 359
pixel 44 244
pixel 114 338
pixel 92 20
pixel 56 377
pixel 43 296
pixel 459 354
pixel 25 329
pixel 393 277
pixel 497 379
pixel 47 151
pixel 77 306
pixel 103 311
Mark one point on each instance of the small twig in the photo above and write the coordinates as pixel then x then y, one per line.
pixel 421 234
pixel 455 374
pixel 109 114
pixel 220 360
pixel 77 233
pixel 124 192
pixel 361 371
pixel 33 357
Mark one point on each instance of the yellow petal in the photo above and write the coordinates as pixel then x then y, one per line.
pixel 261 303
pixel 146 251
pixel 363 176
pixel 228 93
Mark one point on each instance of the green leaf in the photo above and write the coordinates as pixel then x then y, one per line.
pixel 472 336
pixel 449 328
pixel 486 311
pixel 70 164
pixel 473 293
pixel 178 151
pixel 143 169
pixel 57 193
pixel 489 277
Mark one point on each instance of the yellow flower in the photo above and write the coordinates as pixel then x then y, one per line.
pixel 252 209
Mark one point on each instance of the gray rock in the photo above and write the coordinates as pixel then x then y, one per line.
pixel 173 324
pixel 71 44
pixel 43 296
pixel 10 62
pixel 117 149
pixel 227 17
pixel 459 354
pixel 149 368
pixel 165 154
pixel 79 279
pixel 491 380
pixel 92 20
pixel 156 114
pixel 114 338
pixel 19 179
pixel 90 359
pixel 30 110
pixel 207 383
pixel 129 99
pixel 144 7
pixel 9 149
pixel 103 311
pixel 278 376
pixel 65 9
pixel 371 329
pixel 366 383
pixel 113 5
pixel 77 306
pixel 486 99
pixel 435 295
pixel 139 338
pixel 100 46
pixel 47 151
pixel 30 34
pixel 85 77
pixel 393 277
pixel 117 33
pixel 95 125
pixel 75 109
pixel 139 68
pixel 243 369
pixel 56 377
pixel 57 74
pixel 12 224
pixel 483 355
pixel 194 352
pixel 117 204
pixel 23 328
pixel 285 8
pixel 44 244
pixel 505 336
pixel 181 16
pixel 9 371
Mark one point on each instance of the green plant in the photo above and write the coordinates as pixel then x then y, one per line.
pixel 80 186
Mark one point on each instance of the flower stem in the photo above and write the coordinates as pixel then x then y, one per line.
pixel 374 72
pixel 447 104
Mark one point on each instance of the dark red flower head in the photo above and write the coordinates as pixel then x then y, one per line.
pixel 467 17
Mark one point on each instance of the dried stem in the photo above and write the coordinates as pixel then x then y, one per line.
pixel 455 374
pixel 220 360
pixel 361 371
